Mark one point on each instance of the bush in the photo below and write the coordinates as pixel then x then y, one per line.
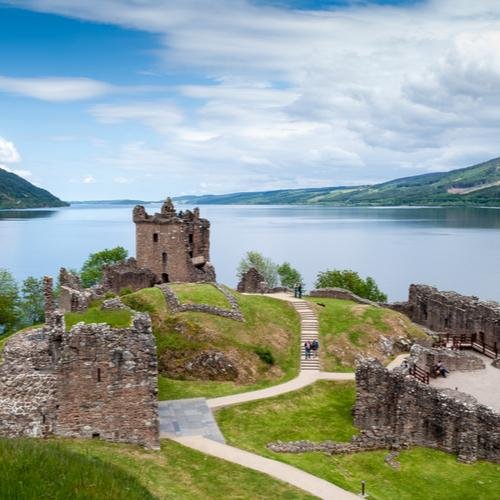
pixel 109 295
pixel 138 304
pixel 351 280
pixel 265 355
pixel 91 272
pixel 266 267
pixel 289 276
pixel 125 291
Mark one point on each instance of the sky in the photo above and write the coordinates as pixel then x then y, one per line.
pixel 147 98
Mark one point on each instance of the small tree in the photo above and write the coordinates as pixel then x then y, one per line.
pixel 9 302
pixel 32 301
pixel 289 276
pixel 352 281
pixel 91 272
pixel 266 267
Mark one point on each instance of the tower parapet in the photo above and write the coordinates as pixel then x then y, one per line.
pixel 174 245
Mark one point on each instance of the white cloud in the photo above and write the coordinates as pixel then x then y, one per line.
pixel 89 179
pixel 307 96
pixel 55 89
pixel 8 152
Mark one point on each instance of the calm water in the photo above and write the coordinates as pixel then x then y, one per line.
pixel 451 248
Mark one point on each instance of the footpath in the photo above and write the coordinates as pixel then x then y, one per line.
pixel 200 433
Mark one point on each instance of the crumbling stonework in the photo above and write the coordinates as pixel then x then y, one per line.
pixel 252 282
pixel 342 294
pixel 418 414
pixel 426 358
pixel 93 382
pixel 127 274
pixel 175 305
pixel 452 312
pixel 175 246
pixel 73 296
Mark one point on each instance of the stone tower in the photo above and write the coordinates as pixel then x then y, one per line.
pixel 174 245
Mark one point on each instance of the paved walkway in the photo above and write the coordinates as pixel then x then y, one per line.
pixel 291 475
pixel 188 417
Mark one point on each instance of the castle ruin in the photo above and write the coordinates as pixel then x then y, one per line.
pixel 174 245
pixel 93 381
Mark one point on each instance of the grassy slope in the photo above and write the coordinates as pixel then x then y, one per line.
pixel 16 192
pixel 427 189
pixel 117 319
pixel 200 293
pixel 268 323
pixel 62 469
pixel 355 328
pixel 323 411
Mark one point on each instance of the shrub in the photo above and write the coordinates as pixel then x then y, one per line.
pixel 91 272
pixel 125 291
pixel 109 295
pixel 265 355
pixel 350 280
pixel 289 276
pixel 138 304
pixel 266 267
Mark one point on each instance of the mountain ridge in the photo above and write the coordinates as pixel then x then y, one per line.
pixel 16 192
pixel 476 185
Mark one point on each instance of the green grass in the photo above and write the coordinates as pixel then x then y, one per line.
pixel 200 293
pixel 93 470
pixel 269 324
pixel 323 411
pixel 116 319
pixel 354 327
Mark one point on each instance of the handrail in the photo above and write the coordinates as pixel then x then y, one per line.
pixel 419 374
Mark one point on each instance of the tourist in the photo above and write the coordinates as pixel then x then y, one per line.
pixel 307 348
pixel 314 347
pixel 299 291
pixel 440 369
pixel 295 290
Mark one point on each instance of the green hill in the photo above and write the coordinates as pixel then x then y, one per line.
pixel 16 192
pixel 478 185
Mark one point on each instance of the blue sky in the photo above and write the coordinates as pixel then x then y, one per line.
pixel 125 99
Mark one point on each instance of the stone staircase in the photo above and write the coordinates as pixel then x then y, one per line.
pixel 309 331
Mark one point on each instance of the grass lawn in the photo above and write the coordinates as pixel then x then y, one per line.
pixel 200 293
pixel 323 411
pixel 346 328
pixel 269 324
pixel 116 319
pixel 89 469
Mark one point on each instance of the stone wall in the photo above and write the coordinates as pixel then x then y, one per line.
pixel 417 414
pixel 427 358
pixel 252 282
pixel 93 381
pixel 174 245
pixel 127 274
pixel 452 312
pixel 342 294
pixel 175 305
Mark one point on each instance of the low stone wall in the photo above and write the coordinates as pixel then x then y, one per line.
pixel 342 294
pixel 92 382
pixel 417 414
pixel 176 306
pixel 427 358
pixel 252 282
pixel 127 274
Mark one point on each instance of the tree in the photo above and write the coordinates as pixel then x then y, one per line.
pixel 32 301
pixel 266 267
pixel 91 272
pixel 352 281
pixel 289 276
pixel 9 302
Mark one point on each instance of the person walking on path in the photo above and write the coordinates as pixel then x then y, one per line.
pixel 299 291
pixel 315 347
pixel 307 348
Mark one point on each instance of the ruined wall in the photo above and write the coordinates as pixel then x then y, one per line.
pixel 127 275
pixel 415 413
pixel 452 312
pixel 174 246
pixel 252 282
pixel 342 294
pixel 426 358
pixel 93 381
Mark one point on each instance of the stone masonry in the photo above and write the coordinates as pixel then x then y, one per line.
pixel 417 414
pixel 452 312
pixel 127 274
pixel 174 245
pixel 342 294
pixel 91 382
pixel 252 282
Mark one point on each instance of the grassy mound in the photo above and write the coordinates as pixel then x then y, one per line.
pixel 116 319
pixel 264 348
pixel 348 329
pixel 200 293
pixel 62 469
pixel 323 411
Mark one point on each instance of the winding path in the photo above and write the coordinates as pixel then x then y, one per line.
pixel 309 373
